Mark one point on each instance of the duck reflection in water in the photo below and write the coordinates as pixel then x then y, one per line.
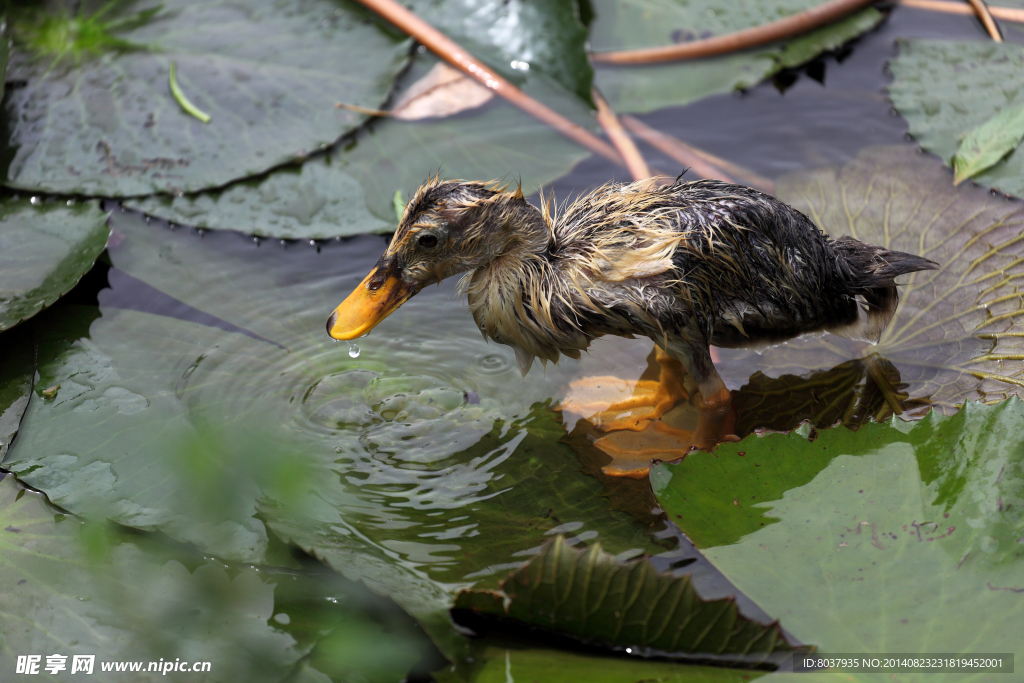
pixel 688 265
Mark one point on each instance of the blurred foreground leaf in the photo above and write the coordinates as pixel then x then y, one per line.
pixel 955 335
pixel 73 589
pixel 45 248
pixel 637 24
pixel 885 539
pixel 553 666
pixel 592 596
pixel 947 89
pixel 101 120
pixel 322 198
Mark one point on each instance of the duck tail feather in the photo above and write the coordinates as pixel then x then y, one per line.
pixel 868 266
pixel 871 273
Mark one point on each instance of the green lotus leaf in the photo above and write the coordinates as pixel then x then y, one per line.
pixel 882 540
pixel 947 89
pixel 556 666
pixel 45 248
pixel 637 24
pixel 96 114
pixel 986 145
pixel 323 198
pixel 590 595
pixel 426 464
pixel 17 366
pixel 83 589
pixel 954 337
pixel 518 37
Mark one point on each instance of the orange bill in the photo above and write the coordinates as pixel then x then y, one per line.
pixel 373 300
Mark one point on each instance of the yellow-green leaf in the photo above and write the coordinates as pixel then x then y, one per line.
pixel 986 145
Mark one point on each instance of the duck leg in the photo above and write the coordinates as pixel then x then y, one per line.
pixel 632 452
pixel 650 399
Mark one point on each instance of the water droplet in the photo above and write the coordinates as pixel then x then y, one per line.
pixel 353 350
pixel 34 200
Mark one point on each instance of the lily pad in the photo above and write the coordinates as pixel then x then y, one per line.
pixel 17 366
pixel 637 24
pixel 954 336
pixel 101 119
pixel 429 465
pixel 316 200
pixel 45 248
pixel 554 666
pixel 67 589
pixel 519 38
pixel 946 89
pixel 322 198
pixel 592 596
pixel 886 539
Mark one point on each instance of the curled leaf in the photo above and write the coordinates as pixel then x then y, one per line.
pixel 986 145
pixel 592 596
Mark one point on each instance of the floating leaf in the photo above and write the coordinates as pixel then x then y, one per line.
pixel 986 145
pixel 316 200
pixel 322 198
pixel 518 38
pixel 592 596
pixel 267 72
pixel 636 24
pixel 45 248
pixel 947 89
pixel 66 592
pixel 555 666
pixel 954 337
pixel 886 539
pixel 431 465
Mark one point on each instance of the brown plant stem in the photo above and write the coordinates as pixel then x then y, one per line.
pixel 461 59
pixel 740 40
pixel 703 164
pixel 981 9
pixel 949 7
pixel 623 143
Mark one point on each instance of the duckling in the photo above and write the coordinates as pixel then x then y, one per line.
pixel 687 264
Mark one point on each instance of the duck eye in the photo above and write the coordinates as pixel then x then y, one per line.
pixel 428 241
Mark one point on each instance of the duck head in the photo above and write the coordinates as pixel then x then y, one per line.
pixel 448 228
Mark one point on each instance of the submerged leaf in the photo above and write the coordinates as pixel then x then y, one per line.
pixel 637 24
pixel 948 89
pixel 954 337
pixel 592 596
pixel 266 71
pixel 441 92
pixel 986 145
pixel 45 248
pixel 885 539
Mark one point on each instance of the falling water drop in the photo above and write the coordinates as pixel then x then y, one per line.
pixel 353 350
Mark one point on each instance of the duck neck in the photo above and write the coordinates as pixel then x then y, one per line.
pixel 524 233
